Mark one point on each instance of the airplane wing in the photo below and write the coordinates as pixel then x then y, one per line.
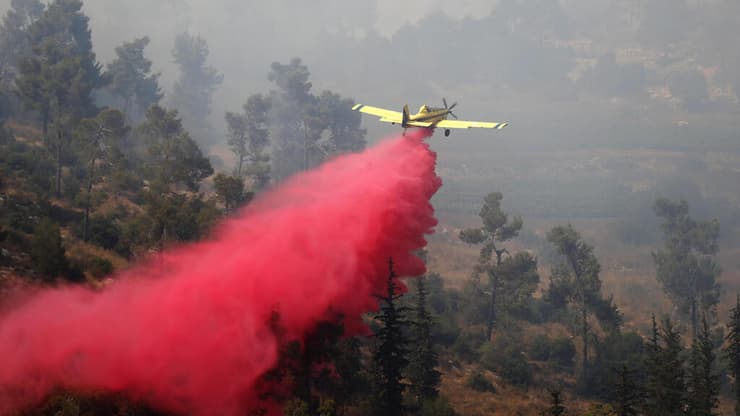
pixel 462 124
pixel 389 116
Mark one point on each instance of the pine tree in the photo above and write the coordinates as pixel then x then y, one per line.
pixel 98 141
pixel 132 79
pixel 193 91
pixel 497 228
pixel 173 156
pixel 687 266
pixel 703 380
pixel 577 279
pixel 422 373
pixel 732 351
pixel 666 386
pixel 14 39
pixel 652 364
pixel 628 394
pixel 230 191
pixel 58 77
pixel 248 138
pixel 390 354
pixel 556 404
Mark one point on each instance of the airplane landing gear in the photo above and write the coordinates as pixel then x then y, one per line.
pixel 447 132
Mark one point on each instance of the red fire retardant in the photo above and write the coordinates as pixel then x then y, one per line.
pixel 193 331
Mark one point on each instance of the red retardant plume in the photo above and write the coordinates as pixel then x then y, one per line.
pixel 190 331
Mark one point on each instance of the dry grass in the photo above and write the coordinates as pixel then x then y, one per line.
pixel 24 132
pixel 78 250
pixel 506 401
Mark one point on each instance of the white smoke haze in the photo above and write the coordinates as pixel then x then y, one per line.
pixel 532 63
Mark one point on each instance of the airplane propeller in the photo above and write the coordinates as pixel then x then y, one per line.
pixel 449 109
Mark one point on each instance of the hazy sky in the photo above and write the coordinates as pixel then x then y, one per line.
pixel 246 36
pixel 385 16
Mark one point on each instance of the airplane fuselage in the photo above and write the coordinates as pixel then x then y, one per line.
pixel 428 114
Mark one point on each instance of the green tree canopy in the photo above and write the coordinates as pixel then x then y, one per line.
pixel 665 390
pixel 498 228
pixel 424 379
pixel 173 158
pixel 732 350
pixel 307 129
pixel 230 191
pixel 47 249
pixel 132 79
pixel 248 138
pixel 14 35
pixel 686 266
pixel 703 379
pixel 575 280
pixel 58 76
pixel 98 139
pixel 390 355
pixel 194 88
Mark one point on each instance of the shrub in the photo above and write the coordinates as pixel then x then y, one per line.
pixel 600 410
pixel 540 348
pixel 505 357
pixel 296 407
pixel 560 351
pixel 467 344
pixel 446 331
pixel 437 407
pixel 99 267
pixel 478 382
pixel 47 250
pixel 102 231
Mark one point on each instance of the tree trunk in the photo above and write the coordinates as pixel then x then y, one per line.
pixel 86 221
pixel 45 126
pixel 126 104
pixel 494 287
pixel 492 307
pixel 241 163
pixel 584 313
pixel 693 319
pixel 59 163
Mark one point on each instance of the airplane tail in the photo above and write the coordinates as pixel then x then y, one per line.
pixel 405 117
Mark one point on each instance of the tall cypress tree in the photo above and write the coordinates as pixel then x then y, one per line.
pixel 703 381
pixel 422 373
pixel 390 354
pixel 652 364
pixel 732 351
pixel 628 394
pixel 666 387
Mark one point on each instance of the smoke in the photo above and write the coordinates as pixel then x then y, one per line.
pixel 190 331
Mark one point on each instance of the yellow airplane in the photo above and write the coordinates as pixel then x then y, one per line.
pixel 429 117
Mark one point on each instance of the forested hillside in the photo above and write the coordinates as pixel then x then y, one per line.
pixel 585 260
